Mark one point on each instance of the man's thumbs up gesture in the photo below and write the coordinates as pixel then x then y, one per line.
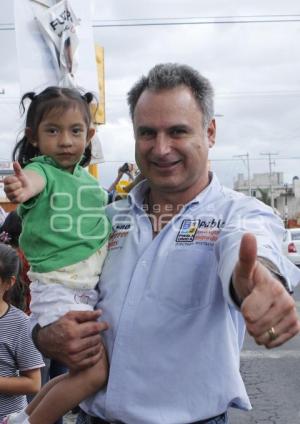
pixel 268 309
pixel 23 185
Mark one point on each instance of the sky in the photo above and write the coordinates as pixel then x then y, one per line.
pixel 253 66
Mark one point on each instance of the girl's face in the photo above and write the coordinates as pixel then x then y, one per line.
pixel 63 135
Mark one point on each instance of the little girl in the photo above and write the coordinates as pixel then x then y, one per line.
pixel 20 361
pixel 65 230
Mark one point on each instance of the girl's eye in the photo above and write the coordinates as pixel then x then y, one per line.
pixel 52 130
pixel 77 131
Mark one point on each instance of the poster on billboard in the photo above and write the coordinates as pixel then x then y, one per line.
pixel 55 46
pixel 37 67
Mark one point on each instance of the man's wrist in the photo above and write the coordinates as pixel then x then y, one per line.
pixel 234 296
pixel 275 272
pixel 272 268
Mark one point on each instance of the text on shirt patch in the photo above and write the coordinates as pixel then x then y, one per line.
pixel 200 231
pixel 119 232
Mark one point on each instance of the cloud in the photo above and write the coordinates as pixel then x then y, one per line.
pixel 254 68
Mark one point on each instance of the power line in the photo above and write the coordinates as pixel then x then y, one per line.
pixel 272 93
pixel 269 16
pixel 254 159
pixel 216 20
pixel 215 159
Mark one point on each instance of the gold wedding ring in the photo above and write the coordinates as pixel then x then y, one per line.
pixel 272 335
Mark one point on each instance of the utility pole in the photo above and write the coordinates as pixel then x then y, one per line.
pixel 271 162
pixel 247 157
pixel 286 210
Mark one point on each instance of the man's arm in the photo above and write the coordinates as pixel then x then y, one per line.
pixel 74 339
pixel 23 185
pixel 269 311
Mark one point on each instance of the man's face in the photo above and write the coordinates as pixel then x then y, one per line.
pixel 171 143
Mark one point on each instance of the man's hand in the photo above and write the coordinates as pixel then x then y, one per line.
pixel 74 339
pixel 23 185
pixel 269 311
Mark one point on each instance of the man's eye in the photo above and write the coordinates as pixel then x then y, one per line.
pixel 178 131
pixel 146 133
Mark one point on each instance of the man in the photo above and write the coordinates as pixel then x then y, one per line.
pixel 183 275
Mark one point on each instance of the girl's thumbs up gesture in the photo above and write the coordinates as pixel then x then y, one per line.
pixel 23 185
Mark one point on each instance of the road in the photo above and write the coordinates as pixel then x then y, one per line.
pixel 272 378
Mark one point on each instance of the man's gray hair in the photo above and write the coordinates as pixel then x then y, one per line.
pixel 171 75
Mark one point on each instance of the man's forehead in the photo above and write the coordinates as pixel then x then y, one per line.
pixel 169 107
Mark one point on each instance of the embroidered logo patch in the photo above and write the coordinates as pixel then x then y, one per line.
pixel 187 230
pixel 120 232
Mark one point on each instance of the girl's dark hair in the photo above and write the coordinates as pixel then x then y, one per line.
pixel 10 267
pixel 41 104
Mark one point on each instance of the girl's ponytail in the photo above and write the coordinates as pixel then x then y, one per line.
pixel 89 97
pixel 31 96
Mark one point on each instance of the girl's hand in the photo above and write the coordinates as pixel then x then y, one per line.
pixel 23 185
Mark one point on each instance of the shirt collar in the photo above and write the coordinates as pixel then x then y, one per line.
pixel 137 194
pixel 50 161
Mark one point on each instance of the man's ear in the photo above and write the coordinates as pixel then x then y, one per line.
pixel 90 135
pixel 28 133
pixel 211 133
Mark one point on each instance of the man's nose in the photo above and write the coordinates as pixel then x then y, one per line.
pixel 162 145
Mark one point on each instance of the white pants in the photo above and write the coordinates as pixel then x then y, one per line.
pixel 50 302
pixel 71 288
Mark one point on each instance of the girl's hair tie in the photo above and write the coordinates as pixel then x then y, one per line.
pixel 5 237
pixel 88 97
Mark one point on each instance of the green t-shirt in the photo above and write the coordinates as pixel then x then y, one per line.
pixel 66 222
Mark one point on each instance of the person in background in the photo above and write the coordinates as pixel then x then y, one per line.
pixel 129 170
pixel 20 361
pixel 191 265
pixel 3 214
pixel 64 244
pixel 19 294
pixel 9 234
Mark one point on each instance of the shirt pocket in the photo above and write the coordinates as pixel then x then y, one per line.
pixel 185 281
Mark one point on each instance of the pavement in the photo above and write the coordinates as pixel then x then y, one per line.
pixel 272 379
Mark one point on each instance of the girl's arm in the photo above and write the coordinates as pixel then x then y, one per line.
pixel 24 185
pixel 29 382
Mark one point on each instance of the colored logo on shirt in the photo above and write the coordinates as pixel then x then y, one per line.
pixel 120 231
pixel 203 231
pixel 187 230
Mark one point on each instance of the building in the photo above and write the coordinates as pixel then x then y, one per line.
pixel 285 198
pixel 5 169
